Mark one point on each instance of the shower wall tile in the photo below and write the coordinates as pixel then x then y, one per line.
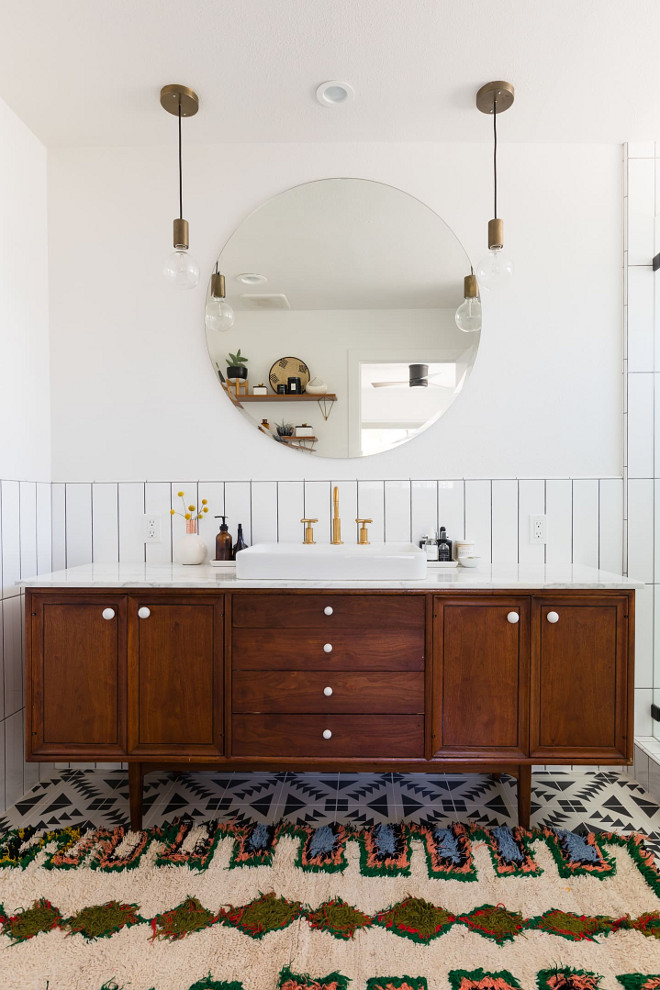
pixel 78 509
pixel 371 505
pixel 424 509
pixel 451 509
pixel 559 510
pixel 290 510
pixel 11 541
pixel 397 511
pixel 44 528
pixel 131 514
pixel 478 516
pixel 317 506
pixel 640 425
pixel 610 537
pixel 585 522
pixel 264 512
pixel 531 502
pixel 505 521
pixel 105 527
pixel 640 289
pixel 28 528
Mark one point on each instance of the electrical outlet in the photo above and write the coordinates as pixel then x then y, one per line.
pixel 538 529
pixel 151 529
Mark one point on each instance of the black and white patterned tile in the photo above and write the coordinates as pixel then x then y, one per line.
pixel 603 801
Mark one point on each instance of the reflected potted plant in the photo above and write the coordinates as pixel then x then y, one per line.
pixel 236 366
pixel 284 429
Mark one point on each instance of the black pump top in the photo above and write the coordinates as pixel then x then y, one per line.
pixel 224 528
pixel 443 533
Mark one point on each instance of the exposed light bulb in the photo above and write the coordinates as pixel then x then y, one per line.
pixel 495 270
pixel 468 314
pixel 219 315
pixel 180 269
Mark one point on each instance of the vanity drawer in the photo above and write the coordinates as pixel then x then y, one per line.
pixel 357 736
pixel 334 649
pixel 304 611
pixel 351 692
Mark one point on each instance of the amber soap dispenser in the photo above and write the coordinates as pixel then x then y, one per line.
pixel 223 541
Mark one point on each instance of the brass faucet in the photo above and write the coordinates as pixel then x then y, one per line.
pixel 309 532
pixel 363 540
pixel 336 521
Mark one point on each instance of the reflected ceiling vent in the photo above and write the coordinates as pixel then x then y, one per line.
pixel 265 300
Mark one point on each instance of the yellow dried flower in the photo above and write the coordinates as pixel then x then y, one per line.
pixel 172 512
pixel 205 509
pixel 204 501
pixel 187 515
pixel 191 508
pixel 180 494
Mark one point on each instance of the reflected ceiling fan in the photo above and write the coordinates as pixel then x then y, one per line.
pixel 418 377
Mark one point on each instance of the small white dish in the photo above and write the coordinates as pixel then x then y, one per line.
pixel 469 561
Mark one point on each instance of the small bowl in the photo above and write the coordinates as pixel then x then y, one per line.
pixel 316 389
pixel 469 561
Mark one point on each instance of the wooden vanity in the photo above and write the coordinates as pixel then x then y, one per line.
pixel 410 680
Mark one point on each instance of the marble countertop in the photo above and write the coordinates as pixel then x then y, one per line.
pixel 486 577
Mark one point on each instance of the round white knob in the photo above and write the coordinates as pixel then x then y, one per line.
pixel 327 648
pixel 513 617
pixel 552 617
pixel 144 612
pixel 108 613
pixel 327 691
pixel 327 734
pixel 328 609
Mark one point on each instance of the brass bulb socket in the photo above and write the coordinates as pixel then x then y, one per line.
pixel 470 287
pixel 218 286
pixel 180 236
pixel 495 234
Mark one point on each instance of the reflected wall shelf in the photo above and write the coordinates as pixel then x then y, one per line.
pixel 325 401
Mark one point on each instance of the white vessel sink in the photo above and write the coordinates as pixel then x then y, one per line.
pixel 324 562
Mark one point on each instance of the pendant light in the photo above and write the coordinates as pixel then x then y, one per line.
pixel 468 314
pixel 495 269
pixel 219 315
pixel 180 269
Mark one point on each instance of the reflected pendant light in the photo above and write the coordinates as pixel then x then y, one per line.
pixel 495 269
pixel 180 269
pixel 219 316
pixel 468 314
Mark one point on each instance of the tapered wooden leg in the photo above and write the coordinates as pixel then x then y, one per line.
pixel 524 794
pixel 135 777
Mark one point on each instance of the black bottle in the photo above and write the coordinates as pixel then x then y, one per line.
pixel 444 545
pixel 240 542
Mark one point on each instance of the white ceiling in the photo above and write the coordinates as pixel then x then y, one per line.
pixel 88 72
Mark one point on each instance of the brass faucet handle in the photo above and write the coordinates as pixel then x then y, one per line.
pixel 309 532
pixel 364 535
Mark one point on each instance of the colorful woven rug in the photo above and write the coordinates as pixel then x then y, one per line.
pixel 281 907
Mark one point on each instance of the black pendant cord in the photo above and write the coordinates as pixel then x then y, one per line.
pixel 180 170
pixel 495 154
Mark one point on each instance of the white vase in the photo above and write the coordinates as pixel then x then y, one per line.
pixel 190 549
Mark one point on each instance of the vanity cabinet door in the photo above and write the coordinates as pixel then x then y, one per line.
pixel 481 677
pixel 175 673
pixel 581 689
pixel 76 677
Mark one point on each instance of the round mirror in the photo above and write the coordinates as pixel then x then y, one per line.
pixel 331 321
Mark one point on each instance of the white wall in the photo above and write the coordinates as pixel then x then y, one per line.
pixel 134 393
pixel 24 346
pixel 25 440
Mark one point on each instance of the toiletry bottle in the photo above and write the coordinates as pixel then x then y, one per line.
pixel 444 545
pixel 430 547
pixel 223 542
pixel 240 542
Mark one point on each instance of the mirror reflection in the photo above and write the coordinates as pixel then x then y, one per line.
pixel 331 319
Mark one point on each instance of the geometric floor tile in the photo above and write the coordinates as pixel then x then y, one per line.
pixel 582 801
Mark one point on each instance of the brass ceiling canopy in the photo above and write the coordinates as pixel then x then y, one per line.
pixel 499 92
pixel 174 94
